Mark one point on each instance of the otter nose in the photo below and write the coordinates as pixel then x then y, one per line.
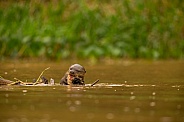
pixel 71 72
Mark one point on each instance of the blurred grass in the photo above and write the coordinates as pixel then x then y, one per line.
pixel 94 29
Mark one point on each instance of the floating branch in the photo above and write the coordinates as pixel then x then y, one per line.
pixel 95 82
pixel 19 81
pixel 37 81
pixel 15 82
pixel 23 83
pixel 5 81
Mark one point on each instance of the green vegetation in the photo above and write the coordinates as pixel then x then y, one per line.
pixel 92 29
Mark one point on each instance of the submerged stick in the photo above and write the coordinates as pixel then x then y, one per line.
pixel 95 82
pixel 37 81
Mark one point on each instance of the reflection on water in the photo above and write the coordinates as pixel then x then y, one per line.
pixel 128 91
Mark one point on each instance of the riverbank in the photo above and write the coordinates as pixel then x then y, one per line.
pixel 92 29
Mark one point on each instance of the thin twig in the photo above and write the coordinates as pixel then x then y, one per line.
pixel 17 81
pixel 95 82
pixel 37 81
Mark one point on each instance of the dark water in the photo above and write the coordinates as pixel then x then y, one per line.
pixel 128 91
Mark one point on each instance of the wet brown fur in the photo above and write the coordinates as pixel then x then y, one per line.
pixel 75 75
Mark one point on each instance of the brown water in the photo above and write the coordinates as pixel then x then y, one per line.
pixel 128 91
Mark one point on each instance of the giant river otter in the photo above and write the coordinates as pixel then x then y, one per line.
pixel 75 75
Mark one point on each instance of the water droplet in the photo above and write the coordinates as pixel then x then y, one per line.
pixel 6 95
pixel 152 104
pixel 125 81
pixel 77 102
pixel 153 93
pixel 69 102
pixel 132 97
pixel 24 91
pixel 72 108
pixel 132 93
pixel 5 73
pixel 126 109
pixel 110 116
pixel 166 119
pixel 137 110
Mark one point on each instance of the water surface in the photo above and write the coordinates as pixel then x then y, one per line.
pixel 128 91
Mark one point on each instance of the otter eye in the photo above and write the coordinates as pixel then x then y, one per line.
pixel 72 75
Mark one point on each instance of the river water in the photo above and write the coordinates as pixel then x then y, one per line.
pixel 128 91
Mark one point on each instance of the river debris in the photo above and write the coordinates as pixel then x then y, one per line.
pixel 95 82
pixel 4 81
pixel 40 79
pixel 37 81
pixel 52 81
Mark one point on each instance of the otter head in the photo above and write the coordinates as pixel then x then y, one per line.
pixel 76 74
